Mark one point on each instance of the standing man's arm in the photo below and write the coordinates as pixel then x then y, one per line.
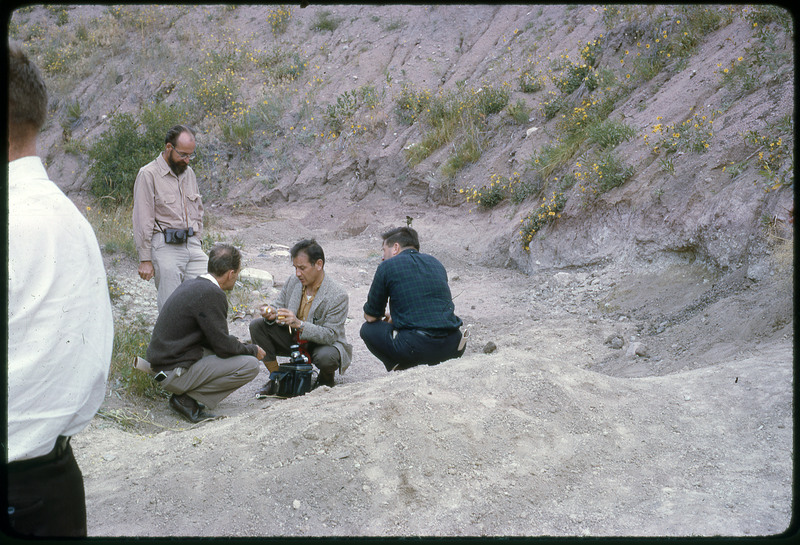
pixel 144 217
pixel 194 204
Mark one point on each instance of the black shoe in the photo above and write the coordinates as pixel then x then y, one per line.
pixel 267 390
pixel 190 409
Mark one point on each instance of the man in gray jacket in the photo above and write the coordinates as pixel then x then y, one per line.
pixel 311 311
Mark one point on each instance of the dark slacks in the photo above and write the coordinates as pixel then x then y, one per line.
pixel 408 347
pixel 46 498
pixel 277 341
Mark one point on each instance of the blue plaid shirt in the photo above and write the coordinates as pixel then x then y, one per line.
pixel 415 286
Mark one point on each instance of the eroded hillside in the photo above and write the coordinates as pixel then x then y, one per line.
pixel 333 104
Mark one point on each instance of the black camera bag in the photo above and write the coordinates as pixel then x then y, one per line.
pixel 292 379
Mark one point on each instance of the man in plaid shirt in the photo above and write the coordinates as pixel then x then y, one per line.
pixel 421 326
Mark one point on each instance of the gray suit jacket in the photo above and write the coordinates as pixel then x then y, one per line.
pixel 326 317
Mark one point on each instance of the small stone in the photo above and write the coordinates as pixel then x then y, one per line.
pixel 615 341
pixel 296 504
pixel 489 348
pixel 563 279
pixel 257 276
pixel 637 349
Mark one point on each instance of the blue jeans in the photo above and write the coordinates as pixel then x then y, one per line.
pixel 408 347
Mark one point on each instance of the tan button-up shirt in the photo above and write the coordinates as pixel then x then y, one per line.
pixel 161 200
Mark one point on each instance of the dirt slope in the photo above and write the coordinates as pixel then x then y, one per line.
pixel 553 433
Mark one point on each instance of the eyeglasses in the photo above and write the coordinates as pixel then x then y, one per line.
pixel 183 155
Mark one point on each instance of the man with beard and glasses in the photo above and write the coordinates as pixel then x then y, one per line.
pixel 168 216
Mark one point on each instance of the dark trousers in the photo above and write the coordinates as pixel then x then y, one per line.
pixel 409 347
pixel 46 497
pixel 276 341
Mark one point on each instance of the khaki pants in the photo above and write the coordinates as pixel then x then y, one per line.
pixel 211 378
pixel 174 263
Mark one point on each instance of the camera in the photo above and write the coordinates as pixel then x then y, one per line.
pixel 177 236
pixel 295 356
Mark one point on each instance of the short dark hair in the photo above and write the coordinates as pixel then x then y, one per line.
pixel 27 92
pixel 224 257
pixel 309 247
pixel 175 132
pixel 406 237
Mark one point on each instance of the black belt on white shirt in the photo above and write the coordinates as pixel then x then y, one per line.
pixel 59 449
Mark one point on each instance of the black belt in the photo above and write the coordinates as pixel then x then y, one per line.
pixel 60 448
pixel 440 334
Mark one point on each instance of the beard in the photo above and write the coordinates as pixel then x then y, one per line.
pixel 178 168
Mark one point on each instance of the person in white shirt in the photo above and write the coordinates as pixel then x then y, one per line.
pixel 60 327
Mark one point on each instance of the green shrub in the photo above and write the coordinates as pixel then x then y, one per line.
pixel 466 152
pixel 239 129
pixel 116 157
pixel 499 188
pixel 774 158
pixel 568 76
pixel 410 104
pixel 694 134
pixel 347 104
pixel 551 107
pixel 125 147
pixel 551 157
pixel 448 116
pixel 610 172
pixel 519 112
pixel 609 133
pixel 131 340
pixel 491 100
pixel 325 21
pixel 278 18
pixel 547 212
pixel 529 82
pixel 114 229
pixel 281 65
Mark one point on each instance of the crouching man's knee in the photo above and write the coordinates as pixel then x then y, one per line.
pixel 251 367
pixel 327 358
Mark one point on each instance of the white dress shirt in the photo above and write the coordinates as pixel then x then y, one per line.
pixel 60 325
pixel 209 276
